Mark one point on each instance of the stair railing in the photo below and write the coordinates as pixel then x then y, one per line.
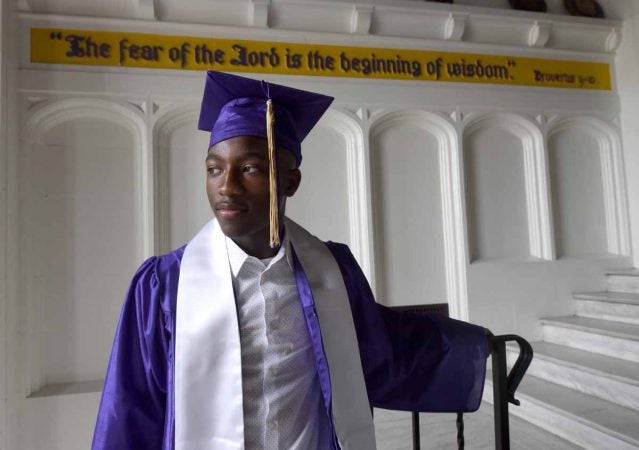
pixel 505 384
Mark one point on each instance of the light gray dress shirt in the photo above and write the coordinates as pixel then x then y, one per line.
pixel 283 405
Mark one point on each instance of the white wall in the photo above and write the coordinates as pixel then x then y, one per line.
pixel 495 194
pixel 407 195
pixel 77 252
pixel 326 151
pixel 185 178
pixel 3 222
pixel 627 68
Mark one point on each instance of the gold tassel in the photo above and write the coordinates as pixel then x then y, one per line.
pixel 274 210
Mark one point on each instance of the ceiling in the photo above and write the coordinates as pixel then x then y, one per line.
pixel 237 11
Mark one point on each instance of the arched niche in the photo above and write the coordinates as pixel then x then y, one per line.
pixel 417 210
pixel 587 186
pixel 506 194
pixel 331 197
pixel 181 204
pixel 84 211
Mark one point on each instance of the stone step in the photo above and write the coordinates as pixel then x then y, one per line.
pixel 617 306
pixel 623 280
pixel 581 419
pixel 611 379
pixel 615 339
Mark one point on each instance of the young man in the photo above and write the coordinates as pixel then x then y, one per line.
pixel 238 340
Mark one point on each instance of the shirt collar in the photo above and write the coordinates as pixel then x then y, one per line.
pixel 237 256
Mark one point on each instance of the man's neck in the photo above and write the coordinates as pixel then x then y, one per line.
pixel 258 250
pixel 257 245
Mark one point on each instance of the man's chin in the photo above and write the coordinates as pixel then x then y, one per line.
pixel 235 230
pixel 231 230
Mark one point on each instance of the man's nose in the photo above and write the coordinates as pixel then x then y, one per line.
pixel 231 184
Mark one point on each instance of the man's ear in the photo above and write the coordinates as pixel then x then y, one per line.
pixel 292 182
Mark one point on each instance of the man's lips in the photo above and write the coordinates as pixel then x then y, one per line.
pixel 226 209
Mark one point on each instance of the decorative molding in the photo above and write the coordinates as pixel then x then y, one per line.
pixel 428 22
pixel 349 126
pixel 24 5
pixel 140 105
pixel 33 101
pixel 160 106
pixel 313 16
pixel 363 113
pixel 552 118
pixel 375 112
pixel 46 116
pixel 146 9
pixel 613 40
pixel 455 247
pixel 539 34
pixel 541 119
pixel 171 120
pixel 457 116
pixel 368 231
pixel 455 27
pixel 258 13
pixel 361 19
pixel 608 140
pixel 535 174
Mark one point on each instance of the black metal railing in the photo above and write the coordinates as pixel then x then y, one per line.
pixel 504 383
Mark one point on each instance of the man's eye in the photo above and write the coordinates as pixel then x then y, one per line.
pixel 251 169
pixel 213 170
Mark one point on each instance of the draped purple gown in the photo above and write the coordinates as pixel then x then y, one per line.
pixel 410 362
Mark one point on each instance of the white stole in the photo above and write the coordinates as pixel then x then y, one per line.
pixel 208 372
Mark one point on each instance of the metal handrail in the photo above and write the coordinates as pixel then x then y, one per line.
pixel 505 384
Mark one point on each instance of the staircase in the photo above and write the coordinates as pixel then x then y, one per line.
pixel 583 383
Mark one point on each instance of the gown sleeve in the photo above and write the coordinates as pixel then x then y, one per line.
pixel 133 406
pixel 413 362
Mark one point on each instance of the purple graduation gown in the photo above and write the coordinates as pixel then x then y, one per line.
pixel 410 362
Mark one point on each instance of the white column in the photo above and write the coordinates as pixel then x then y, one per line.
pixel 4 6
pixel 627 71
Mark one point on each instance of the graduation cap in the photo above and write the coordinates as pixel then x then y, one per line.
pixel 238 106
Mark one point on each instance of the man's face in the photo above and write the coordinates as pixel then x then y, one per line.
pixel 238 187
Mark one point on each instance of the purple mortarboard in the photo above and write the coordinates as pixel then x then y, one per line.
pixel 237 106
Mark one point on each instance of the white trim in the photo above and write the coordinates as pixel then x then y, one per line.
pixel 535 174
pixel 170 118
pixel 455 26
pixel 452 192
pixel 366 188
pixel 258 13
pixel 539 34
pixel 349 126
pixel 146 9
pixel 613 40
pixel 361 18
pixel 612 176
pixel 5 350
pixel 391 26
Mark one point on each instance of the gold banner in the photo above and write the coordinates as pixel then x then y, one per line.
pixel 105 48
